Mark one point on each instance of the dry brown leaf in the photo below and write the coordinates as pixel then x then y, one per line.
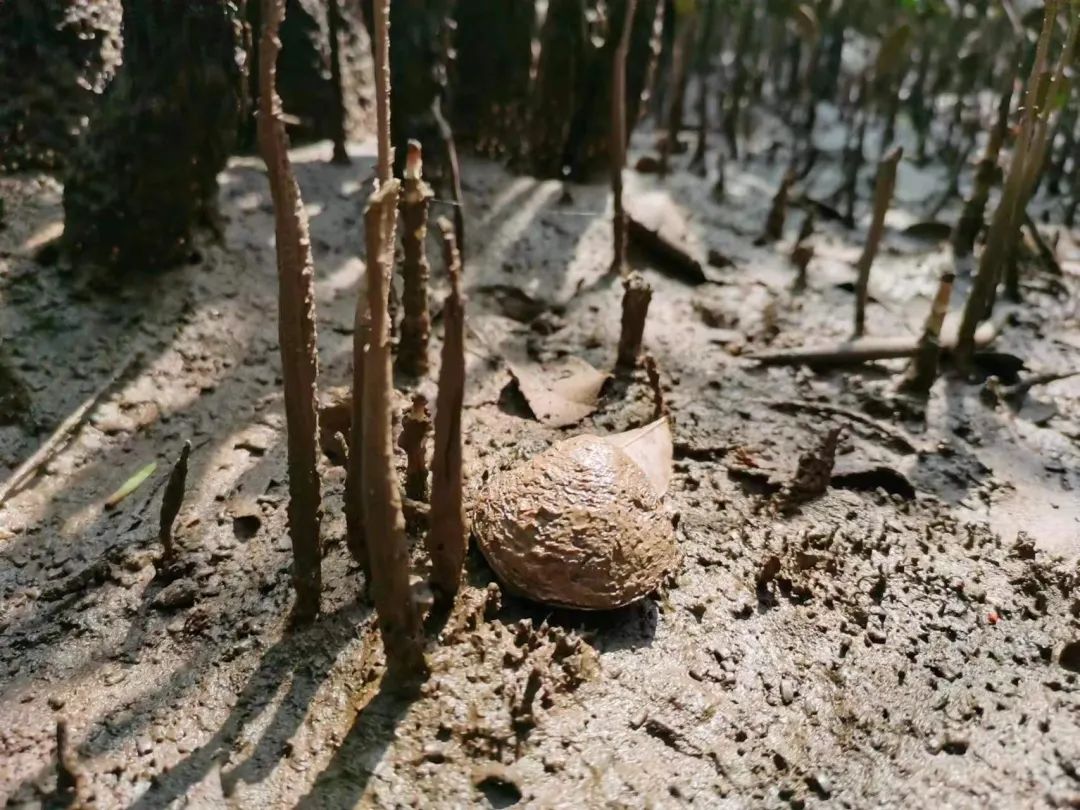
pixel 651 448
pixel 559 395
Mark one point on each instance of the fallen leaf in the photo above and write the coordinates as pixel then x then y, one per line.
pixel 510 301
pixel 131 485
pixel 930 230
pixel 651 448
pixel 660 227
pixel 559 395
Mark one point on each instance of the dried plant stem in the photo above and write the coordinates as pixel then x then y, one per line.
pixel 381 45
pixel 617 147
pixel 412 358
pixel 635 307
pixel 415 427
pixel 923 369
pixel 447 535
pixel 1028 160
pixel 296 324
pixel 680 61
pixel 971 217
pixel 774 222
pixel 388 554
pixel 173 499
pixel 883 192
pixel 333 19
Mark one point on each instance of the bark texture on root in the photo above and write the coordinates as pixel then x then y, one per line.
pixel 388 554
pixel 883 192
pixel 635 308
pixel 296 327
pixel 412 358
pixel 447 538
pixel 415 426
pixel 145 174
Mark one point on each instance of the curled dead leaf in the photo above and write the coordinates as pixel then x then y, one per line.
pixel 559 395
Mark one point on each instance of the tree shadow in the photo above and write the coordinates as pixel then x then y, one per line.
pixel 308 656
pixel 345 778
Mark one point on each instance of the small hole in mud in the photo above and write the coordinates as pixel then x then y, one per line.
pixel 246 526
pixel 499 792
pixel 443 734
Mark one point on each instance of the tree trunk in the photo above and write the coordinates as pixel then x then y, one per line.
pixel 562 57
pixel 320 104
pixel 491 74
pixel 68 48
pixel 590 134
pixel 146 173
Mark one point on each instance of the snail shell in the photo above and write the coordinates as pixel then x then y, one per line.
pixel 577 526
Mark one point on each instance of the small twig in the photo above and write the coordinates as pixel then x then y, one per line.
pixel 29 468
pixel 895 437
pixel 660 407
pixel 868 350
